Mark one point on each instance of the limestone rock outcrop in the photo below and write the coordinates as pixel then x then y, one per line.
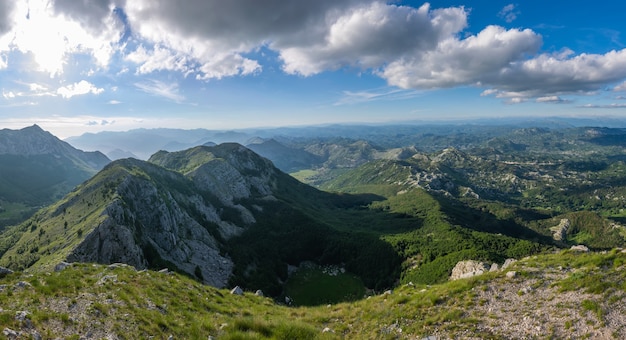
pixel 465 269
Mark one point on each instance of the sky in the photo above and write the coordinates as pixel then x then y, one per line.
pixel 76 66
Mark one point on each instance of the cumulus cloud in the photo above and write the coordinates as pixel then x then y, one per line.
pixel 94 15
pixel 77 89
pixel 548 74
pixel 210 30
pixel 411 48
pixel 54 33
pixel 457 62
pixel 372 35
pixel 6 9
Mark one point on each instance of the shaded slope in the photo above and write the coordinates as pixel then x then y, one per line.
pixel 285 158
pixel 219 214
pixel 37 169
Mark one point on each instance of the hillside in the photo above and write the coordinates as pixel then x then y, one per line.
pixel 470 201
pixel 36 169
pixel 562 295
pixel 219 214
pixel 398 218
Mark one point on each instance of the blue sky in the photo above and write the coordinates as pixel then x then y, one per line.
pixel 92 65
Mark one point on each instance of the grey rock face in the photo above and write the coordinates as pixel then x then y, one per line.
pixel 175 210
pixel 156 226
pixel 465 269
pixel 559 232
pixel 33 140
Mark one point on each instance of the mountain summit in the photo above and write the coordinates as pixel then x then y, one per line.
pixel 36 168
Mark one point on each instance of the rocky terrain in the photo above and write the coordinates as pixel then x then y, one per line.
pixel 422 241
pixel 142 214
pixel 564 295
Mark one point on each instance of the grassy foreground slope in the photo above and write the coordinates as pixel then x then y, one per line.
pixel 560 295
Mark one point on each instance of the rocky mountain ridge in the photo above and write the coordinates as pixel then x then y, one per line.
pixel 33 140
pixel 145 215
pixel 207 212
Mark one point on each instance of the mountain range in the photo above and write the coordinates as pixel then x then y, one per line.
pixel 36 169
pixel 193 212
pixel 383 216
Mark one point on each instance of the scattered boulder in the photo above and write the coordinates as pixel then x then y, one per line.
pixel 24 318
pixel 511 274
pixel 61 266
pixel 23 284
pixel 21 315
pixel 113 266
pixel 388 292
pixel 327 330
pixel 465 269
pixel 237 291
pixel 508 263
pixel 580 248
pixel 259 293
pixel 9 333
pixel 107 278
pixel 494 267
pixel 5 271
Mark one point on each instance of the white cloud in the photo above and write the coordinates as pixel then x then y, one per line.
pixel 158 59
pixel 548 74
pixel 454 62
pixel 508 13
pixel 515 100
pixel 552 99
pixel 34 87
pixel 77 89
pixel 161 89
pixel 372 35
pixel 411 48
pixel 34 90
pixel 620 88
pixel 228 65
pixel 51 34
pixel 114 102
